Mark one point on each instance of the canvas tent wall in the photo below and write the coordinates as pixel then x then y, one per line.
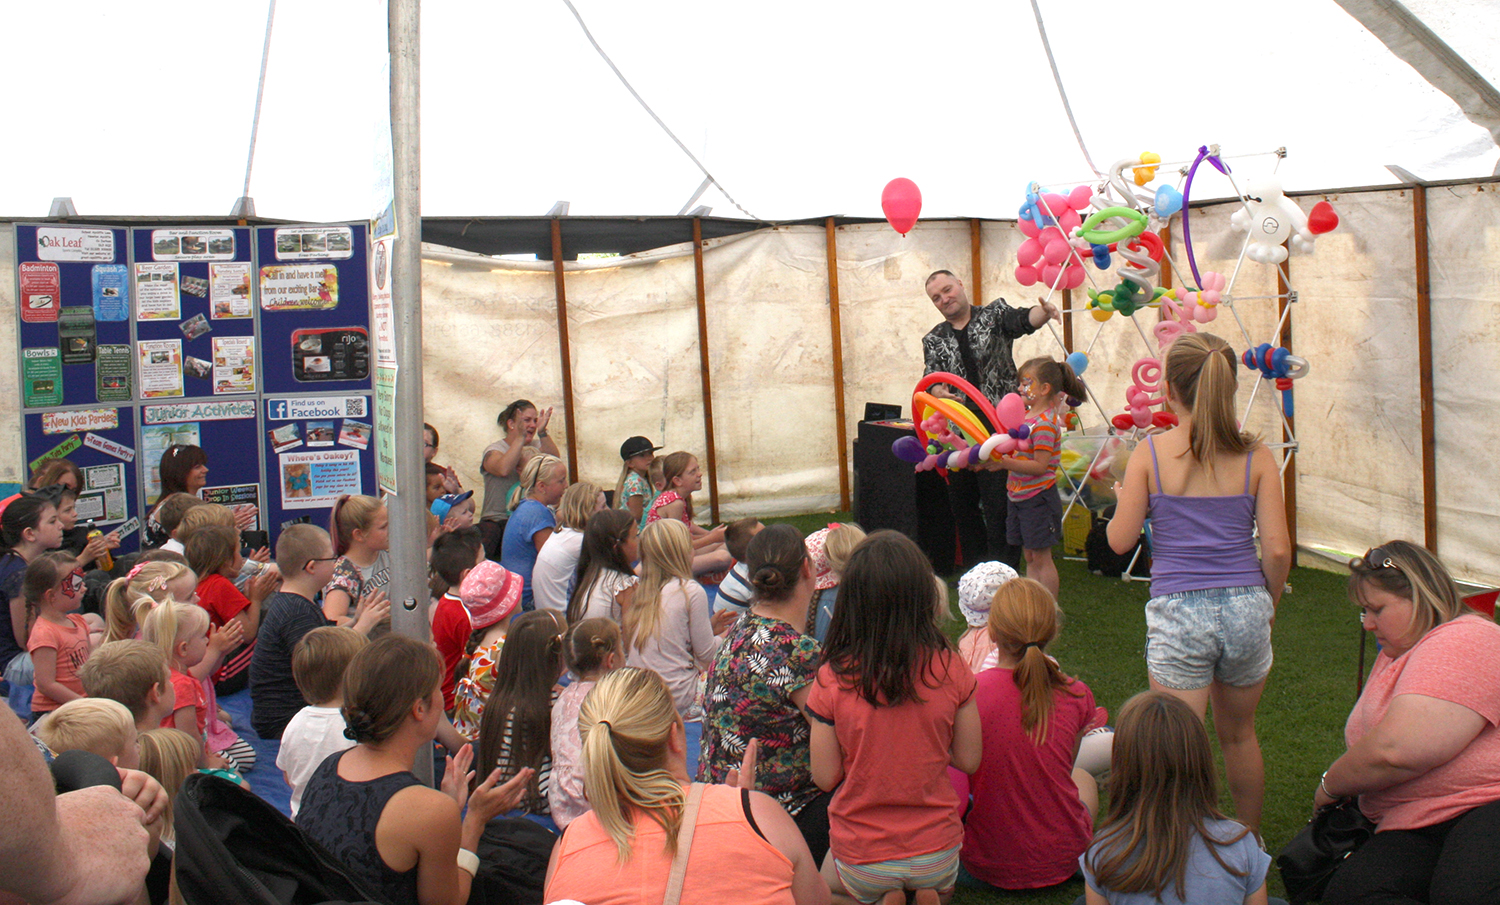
pixel 491 334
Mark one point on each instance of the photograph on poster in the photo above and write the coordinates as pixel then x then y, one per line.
pixel 320 433
pixel 195 286
pixel 287 436
pixel 197 367
pixel 159 362
pixel 195 326
pixel 315 479
pixel 229 289
pixel 156 295
pixel 76 336
pixel 355 434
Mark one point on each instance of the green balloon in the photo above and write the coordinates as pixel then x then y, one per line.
pixel 1134 227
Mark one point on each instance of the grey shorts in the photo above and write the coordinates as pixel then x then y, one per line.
pixel 1214 635
pixel 1035 523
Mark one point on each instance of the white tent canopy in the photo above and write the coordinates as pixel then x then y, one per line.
pixel 798 109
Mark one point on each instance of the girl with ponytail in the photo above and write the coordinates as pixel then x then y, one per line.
pixel 393 702
pixel 1034 805
pixel 1209 489
pixel 1033 518
pixel 735 844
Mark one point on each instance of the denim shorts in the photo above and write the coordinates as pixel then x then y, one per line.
pixel 1220 635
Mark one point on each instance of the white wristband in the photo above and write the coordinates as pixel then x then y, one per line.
pixel 468 862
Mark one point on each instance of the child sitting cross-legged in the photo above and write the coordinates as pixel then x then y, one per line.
pixel 318 663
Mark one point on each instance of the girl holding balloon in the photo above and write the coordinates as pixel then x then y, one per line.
pixel 1208 487
pixel 1033 519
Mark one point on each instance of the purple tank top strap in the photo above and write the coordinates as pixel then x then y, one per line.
pixel 1249 460
pixel 1155 468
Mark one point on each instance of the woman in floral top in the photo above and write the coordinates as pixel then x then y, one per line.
pixel 759 682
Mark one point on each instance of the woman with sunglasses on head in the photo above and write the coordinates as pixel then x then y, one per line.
pixel 1209 489
pixel 1424 747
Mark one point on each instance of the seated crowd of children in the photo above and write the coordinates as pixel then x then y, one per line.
pixel 816 670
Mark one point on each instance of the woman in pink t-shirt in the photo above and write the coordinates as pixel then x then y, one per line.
pixel 892 706
pixel 1424 748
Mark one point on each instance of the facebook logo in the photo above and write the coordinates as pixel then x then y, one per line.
pixel 277 409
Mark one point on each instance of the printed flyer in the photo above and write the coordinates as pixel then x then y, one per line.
pixel 63 243
pixel 110 288
pixel 156 296
pixel 313 480
pixel 229 290
pixel 192 244
pixel 41 377
pixel 75 334
pixel 41 291
pixel 102 497
pixel 160 367
pixel 234 364
pixel 237 497
pixel 293 287
pixel 314 243
pixel 112 372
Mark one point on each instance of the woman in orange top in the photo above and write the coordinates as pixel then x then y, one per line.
pixel 741 847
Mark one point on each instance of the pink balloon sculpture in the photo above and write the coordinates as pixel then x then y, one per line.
pixel 902 202
pixel 1049 255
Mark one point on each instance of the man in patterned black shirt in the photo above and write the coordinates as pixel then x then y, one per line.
pixel 975 344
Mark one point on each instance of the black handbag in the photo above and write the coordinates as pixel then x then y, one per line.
pixel 1310 860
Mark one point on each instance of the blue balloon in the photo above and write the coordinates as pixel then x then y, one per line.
pixel 1079 362
pixel 1101 256
pixel 1168 201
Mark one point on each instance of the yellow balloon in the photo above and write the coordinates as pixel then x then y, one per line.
pixel 1145 174
pixel 1101 315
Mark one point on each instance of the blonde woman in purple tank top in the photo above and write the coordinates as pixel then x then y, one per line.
pixel 1209 490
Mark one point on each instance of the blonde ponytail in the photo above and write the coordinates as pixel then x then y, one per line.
pixel 666 556
pixel 1023 621
pixel 129 599
pixel 1200 369
pixel 624 724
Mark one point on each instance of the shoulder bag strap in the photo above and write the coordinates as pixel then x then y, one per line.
pixel 684 845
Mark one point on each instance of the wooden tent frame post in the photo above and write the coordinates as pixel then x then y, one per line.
pixel 708 398
pixel 836 328
pixel 565 347
pixel 1424 367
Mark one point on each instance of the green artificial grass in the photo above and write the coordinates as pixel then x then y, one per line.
pixel 1300 722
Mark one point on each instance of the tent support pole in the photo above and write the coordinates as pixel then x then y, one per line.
pixel 708 396
pixel 408 508
pixel 566 348
pixel 1424 367
pixel 1067 319
pixel 976 262
pixel 1289 423
pixel 836 327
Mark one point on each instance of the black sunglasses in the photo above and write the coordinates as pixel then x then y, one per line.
pixel 1375 558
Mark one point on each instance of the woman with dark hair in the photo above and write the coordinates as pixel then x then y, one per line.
pixel 184 469
pixel 365 806
pixel 758 686
pixel 611 543
pixel 1424 747
pixel 525 436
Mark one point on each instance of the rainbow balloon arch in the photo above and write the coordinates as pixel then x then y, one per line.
pixel 1070 232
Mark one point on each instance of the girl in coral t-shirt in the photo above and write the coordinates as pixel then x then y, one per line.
pixel 892 706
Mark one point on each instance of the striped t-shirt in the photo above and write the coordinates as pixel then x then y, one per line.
pixel 1046 438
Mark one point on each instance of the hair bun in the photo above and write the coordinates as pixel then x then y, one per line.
pixel 768 579
pixel 359 725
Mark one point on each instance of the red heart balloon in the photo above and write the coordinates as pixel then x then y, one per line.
pixel 1163 419
pixel 902 202
pixel 1322 219
pixel 1123 421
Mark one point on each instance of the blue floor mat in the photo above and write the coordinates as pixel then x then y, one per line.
pixel 266 779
